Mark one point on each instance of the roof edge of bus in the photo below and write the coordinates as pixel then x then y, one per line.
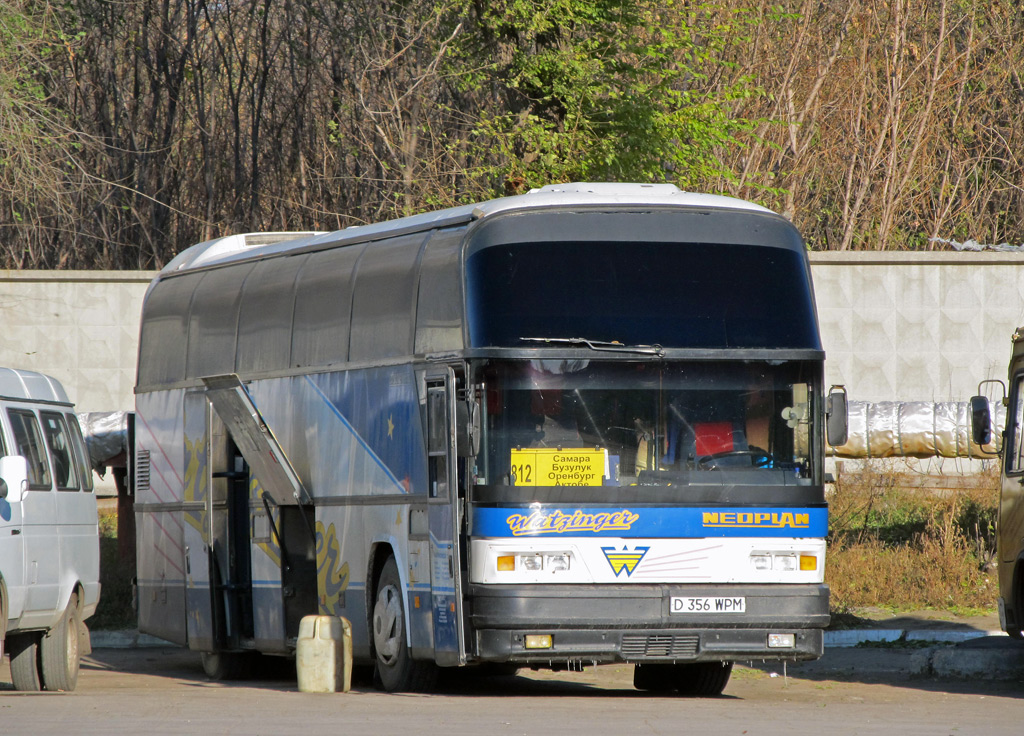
pixel 25 385
pixel 263 244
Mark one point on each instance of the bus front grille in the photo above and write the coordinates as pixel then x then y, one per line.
pixel 660 645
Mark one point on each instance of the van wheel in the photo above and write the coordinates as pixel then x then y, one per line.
pixel 396 670
pixel 59 651
pixel 24 651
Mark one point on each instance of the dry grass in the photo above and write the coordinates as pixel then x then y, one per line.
pixel 897 543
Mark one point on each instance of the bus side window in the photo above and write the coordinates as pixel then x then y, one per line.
pixel 29 444
pixel 437 441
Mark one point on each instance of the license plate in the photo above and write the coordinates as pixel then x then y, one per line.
pixel 681 604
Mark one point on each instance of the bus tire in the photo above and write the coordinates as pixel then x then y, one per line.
pixel 24 652
pixel 59 654
pixel 654 678
pixel 226 665
pixel 702 679
pixel 395 668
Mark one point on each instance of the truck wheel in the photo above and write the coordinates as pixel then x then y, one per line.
pixel 396 670
pixel 59 651
pixel 702 679
pixel 24 651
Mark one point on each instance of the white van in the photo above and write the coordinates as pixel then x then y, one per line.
pixel 49 533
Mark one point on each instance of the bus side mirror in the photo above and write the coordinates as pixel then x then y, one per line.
pixel 467 433
pixel 981 421
pixel 13 477
pixel 837 423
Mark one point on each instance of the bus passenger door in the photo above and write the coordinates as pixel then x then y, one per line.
pixel 444 519
pixel 197 536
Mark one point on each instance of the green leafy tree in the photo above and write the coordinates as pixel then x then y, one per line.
pixel 603 90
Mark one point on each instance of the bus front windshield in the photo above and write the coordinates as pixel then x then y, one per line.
pixel 622 423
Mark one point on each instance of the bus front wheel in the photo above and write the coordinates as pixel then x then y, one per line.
pixel 396 669
pixel 700 679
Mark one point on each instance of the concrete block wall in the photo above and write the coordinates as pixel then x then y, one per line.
pixel 82 327
pixel 895 326
pixel 917 326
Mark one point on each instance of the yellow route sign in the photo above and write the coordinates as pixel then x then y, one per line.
pixel 543 466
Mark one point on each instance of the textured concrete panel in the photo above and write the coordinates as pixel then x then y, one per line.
pixel 947 318
pixel 80 327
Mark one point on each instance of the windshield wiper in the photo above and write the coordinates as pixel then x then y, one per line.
pixel 600 345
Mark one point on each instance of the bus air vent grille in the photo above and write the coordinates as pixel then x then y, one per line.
pixel 660 645
pixel 142 470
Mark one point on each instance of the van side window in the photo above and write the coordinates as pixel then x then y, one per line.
pixel 64 472
pixel 81 453
pixel 29 444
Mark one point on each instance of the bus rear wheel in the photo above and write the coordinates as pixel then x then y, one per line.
pixel 226 665
pixel 396 670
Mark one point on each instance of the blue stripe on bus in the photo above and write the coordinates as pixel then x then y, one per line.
pixel 369 450
pixel 660 522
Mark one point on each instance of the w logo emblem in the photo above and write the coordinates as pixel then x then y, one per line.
pixel 624 559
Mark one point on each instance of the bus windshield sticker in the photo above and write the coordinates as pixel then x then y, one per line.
pixel 543 466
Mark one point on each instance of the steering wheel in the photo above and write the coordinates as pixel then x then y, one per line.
pixel 758 458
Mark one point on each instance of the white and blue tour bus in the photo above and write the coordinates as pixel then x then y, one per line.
pixel 581 425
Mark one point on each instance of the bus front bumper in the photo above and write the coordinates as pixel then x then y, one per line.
pixel 546 625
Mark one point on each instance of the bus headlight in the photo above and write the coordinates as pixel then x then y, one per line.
pixel 784 561
pixel 558 562
pixel 535 562
pixel 531 562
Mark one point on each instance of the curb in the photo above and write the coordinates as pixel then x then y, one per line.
pixel 855 637
pixel 125 639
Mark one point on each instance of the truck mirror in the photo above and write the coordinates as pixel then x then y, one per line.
pixel 981 421
pixel 837 425
pixel 467 433
pixel 13 477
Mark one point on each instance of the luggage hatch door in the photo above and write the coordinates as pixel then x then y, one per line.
pixel 255 440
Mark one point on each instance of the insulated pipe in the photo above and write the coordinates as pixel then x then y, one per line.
pixel 917 429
